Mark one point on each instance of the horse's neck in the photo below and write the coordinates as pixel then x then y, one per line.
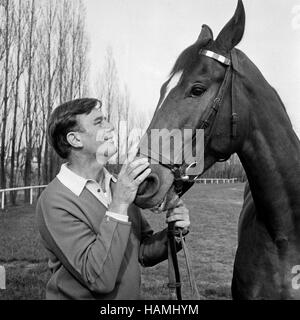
pixel 270 156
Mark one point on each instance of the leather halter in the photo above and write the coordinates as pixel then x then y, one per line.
pixel 207 122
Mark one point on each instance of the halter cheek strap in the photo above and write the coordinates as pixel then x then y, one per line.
pixel 209 117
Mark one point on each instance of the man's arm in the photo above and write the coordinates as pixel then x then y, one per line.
pixel 154 247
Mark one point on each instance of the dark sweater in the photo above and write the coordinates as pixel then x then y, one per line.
pixel 93 256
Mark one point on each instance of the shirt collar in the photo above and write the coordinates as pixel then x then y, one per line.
pixel 76 183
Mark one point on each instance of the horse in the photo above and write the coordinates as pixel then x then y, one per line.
pixel 216 87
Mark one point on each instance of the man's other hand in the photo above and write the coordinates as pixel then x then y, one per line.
pixel 179 214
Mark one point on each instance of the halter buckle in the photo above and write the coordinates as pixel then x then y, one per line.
pixel 185 176
pixel 234 121
pixel 217 101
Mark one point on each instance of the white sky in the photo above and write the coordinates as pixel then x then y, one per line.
pixel 147 37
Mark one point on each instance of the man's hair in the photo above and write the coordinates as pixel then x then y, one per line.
pixel 63 120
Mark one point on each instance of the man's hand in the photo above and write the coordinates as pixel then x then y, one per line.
pixel 180 214
pixel 127 184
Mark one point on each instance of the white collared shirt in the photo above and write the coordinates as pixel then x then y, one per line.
pixel 76 184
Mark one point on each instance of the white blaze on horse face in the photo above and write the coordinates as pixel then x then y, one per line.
pixel 173 82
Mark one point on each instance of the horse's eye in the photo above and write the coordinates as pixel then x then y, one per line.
pixel 197 91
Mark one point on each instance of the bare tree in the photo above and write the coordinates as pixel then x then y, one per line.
pixel 52 63
pixel 120 107
pixel 74 37
pixel 64 24
pixel 43 57
pixel 126 115
pixel 82 50
pixel 5 98
pixel 108 83
pixel 19 70
pixel 28 122
pixel 40 117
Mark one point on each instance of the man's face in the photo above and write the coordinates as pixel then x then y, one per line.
pixel 97 138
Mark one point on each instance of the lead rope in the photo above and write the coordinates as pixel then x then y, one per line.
pixel 174 284
pixel 193 284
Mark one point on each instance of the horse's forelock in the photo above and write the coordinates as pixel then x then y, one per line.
pixel 188 57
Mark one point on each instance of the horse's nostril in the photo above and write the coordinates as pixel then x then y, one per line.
pixel 142 187
pixel 149 186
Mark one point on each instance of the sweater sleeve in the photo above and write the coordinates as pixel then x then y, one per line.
pixel 94 259
pixel 154 246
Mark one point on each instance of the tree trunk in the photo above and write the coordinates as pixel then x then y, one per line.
pixel 5 99
pixel 13 143
pixel 28 156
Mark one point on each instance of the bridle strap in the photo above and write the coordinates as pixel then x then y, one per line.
pixel 234 115
pixel 215 56
pixel 208 121
pixel 174 284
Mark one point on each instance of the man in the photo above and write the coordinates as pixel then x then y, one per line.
pixel 94 234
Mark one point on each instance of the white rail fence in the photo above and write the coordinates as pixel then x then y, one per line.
pixel 31 188
pixel 217 181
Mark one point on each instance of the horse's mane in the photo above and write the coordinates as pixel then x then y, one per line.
pixel 250 71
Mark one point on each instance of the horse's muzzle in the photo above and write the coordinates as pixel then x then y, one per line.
pixel 154 188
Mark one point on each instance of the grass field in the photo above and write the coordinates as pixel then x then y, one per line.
pixel 214 211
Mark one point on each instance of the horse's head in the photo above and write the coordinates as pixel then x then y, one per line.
pixel 196 96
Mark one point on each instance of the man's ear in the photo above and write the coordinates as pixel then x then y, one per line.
pixel 232 33
pixel 74 139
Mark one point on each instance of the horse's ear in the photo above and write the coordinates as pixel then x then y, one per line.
pixel 233 31
pixel 206 34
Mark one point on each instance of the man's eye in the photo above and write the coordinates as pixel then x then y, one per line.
pixel 197 91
